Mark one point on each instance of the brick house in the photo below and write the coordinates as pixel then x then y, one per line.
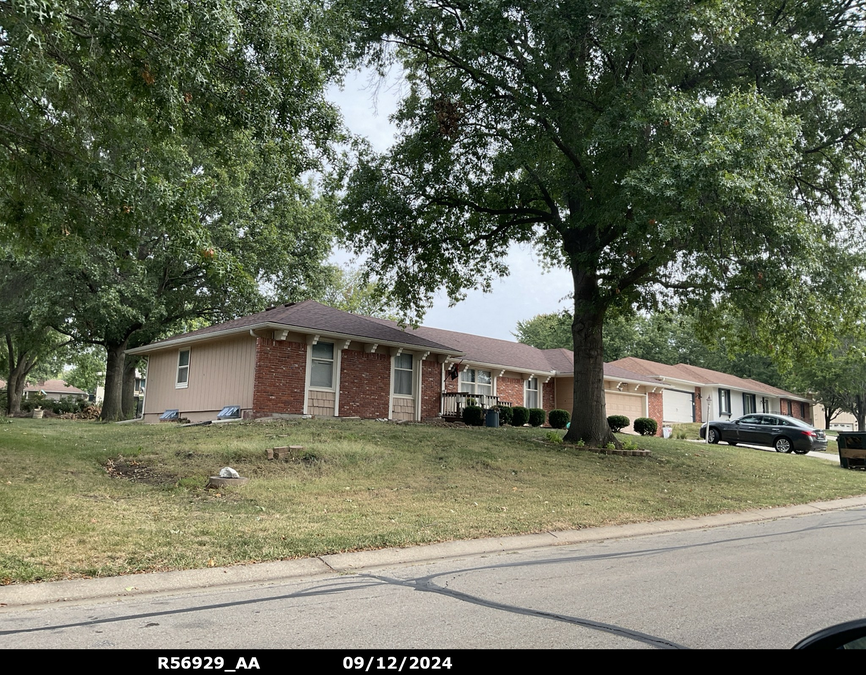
pixel 308 359
pixel 695 394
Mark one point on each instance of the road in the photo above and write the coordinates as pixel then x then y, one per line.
pixel 754 585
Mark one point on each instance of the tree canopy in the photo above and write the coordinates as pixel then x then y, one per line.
pixel 159 154
pixel 659 149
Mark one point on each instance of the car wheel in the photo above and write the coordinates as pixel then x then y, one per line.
pixel 782 444
pixel 712 435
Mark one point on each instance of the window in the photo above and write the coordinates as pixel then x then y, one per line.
pixel 322 366
pixel 749 404
pixel 476 382
pixel 530 393
pixel 403 375
pixel 724 401
pixel 182 369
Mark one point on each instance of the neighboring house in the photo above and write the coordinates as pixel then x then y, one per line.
pixel 53 389
pixel 844 421
pixel 699 394
pixel 306 358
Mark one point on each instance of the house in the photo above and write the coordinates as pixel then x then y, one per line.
pixel 308 359
pixel 695 394
pixel 51 389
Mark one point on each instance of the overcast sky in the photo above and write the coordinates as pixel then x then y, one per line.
pixel 526 292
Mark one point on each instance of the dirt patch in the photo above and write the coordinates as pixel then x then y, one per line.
pixel 137 472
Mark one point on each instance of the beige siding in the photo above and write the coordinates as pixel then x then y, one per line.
pixel 221 373
pixel 404 408
pixel 321 403
pixel 564 393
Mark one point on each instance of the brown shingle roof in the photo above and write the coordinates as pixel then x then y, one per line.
pixel 701 376
pixel 312 316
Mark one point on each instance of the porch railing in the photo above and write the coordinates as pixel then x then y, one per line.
pixel 454 402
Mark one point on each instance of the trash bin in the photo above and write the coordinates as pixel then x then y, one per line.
pixel 491 418
pixel 852 449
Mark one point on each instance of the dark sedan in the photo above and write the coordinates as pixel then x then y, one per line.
pixel 781 432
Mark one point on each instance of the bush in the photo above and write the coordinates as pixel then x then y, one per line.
pixel 646 426
pixel 618 422
pixel 473 416
pixel 519 416
pixel 537 416
pixel 505 414
pixel 553 437
pixel 558 418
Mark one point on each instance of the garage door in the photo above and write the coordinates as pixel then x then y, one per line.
pixel 630 405
pixel 679 406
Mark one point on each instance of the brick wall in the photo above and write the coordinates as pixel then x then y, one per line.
pixel 698 407
pixel 365 381
pixel 431 388
pixel 548 395
pixel 655 404
pixel 510 389
pixel 451 385
pixel 279 379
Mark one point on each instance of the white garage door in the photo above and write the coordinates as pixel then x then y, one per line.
pixel 630 405
pixel 679 406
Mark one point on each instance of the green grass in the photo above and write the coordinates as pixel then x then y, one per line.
pixel 358 485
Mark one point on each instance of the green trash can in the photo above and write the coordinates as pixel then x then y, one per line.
pixel 491 417
pixel 852 449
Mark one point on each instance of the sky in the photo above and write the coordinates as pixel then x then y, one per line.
pixel 367 104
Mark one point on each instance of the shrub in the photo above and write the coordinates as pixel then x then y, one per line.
pixel 553 437
pixel 505 414
pixel 558 418
pixel 618 422
pixel 537 416
pixel 473 416
pixel 519 416
pixel 646 426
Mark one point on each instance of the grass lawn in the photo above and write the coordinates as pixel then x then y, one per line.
pixel 360 485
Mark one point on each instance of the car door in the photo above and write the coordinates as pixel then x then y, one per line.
pixel 749 429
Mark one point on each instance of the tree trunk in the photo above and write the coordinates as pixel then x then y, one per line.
pixel 128 395
pixel 112 405
pixel 589 416
pixel 19 368
pixel 860 411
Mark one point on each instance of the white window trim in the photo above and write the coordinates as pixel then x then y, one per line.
pixel 338 364
pixel 474 382
pixel 526 391
pixel 177 383
pixel 334 379
pixel 394 370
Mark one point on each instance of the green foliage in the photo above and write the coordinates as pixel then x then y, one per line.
pixel 348 290
pixel 645 426
pixel 553 437
pixel 546 331
pixel 629 444
pixel 473 416
pixel 158 156
pixel 559 418
pixel 519 415
pixel 643 145
pixel 617 422
pixel 537 416
pixel 505 414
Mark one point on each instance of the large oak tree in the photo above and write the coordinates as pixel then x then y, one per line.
pixel 158 153
pixel 661 150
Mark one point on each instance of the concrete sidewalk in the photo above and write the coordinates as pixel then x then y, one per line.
pixel 137 585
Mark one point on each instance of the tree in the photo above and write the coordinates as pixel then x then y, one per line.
pixel 349 290
pixel 644 145
pixel 158 152
pixel 663 336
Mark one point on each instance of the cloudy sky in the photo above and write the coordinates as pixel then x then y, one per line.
pixel 527 291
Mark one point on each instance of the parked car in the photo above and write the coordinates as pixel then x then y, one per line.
pixel 781 432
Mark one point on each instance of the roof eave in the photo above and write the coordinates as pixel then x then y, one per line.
pixel 270 325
